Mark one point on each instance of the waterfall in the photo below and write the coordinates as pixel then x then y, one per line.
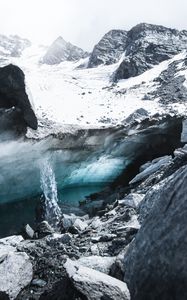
pixel 49 188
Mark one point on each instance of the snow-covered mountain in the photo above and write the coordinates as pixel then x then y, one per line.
pixel 66 94
pixel 12 46
pixel 139 49
pixel 60 51
pixel 148 45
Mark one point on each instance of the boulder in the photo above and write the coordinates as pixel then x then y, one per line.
pixel 15 109
pixel 155 263
pixel 95 285
pixel 98 263
pixel 15 272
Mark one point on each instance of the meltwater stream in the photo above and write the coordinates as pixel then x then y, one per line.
pixel 49 188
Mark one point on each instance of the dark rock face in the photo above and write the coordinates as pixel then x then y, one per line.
pixel 109 49
pixel 61 51
pixel 148 45
pixel 15 109
pixel 155 264
pixel 3 296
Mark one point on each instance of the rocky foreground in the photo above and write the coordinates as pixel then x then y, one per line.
pixel 134 248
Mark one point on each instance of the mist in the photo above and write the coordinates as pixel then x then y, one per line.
pixel 84 22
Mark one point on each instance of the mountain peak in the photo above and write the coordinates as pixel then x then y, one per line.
pixel 60 51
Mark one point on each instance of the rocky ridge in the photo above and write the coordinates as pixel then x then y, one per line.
pixel 138 49
pixel 109 49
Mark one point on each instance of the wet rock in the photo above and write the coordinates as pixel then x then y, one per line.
pixel 95 285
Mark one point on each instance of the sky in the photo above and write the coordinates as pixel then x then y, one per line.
pixel 84 22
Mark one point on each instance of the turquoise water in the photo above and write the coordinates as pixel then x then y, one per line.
pixel 14 215
pixel 72 196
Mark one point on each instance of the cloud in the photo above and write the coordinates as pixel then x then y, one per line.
pixel 83 22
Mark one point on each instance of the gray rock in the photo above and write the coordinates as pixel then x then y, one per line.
pixel 95 285
pixel 44 229
pixel 80 225
pixel 155 263
pixel 28 232
pixel 152 168
pixel 15 271
pixel 98 263
pixel 13 240
pixel 184 132
pixel 39 282
pixel 132 200
pixel 57 238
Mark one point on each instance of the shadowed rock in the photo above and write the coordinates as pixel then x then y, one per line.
pixel 155 264
pixel 15 109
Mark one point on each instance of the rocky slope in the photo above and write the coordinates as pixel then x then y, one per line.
pixel 109 49
pixel 60 51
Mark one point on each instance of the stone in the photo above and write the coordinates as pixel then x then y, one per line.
pixel 98 263
pixel 132 200
pixel 16 271
pixel 13 240
pixel 184 132
pixel 80 225
pixel 152 168
pixel 44 229
pixel 28 232
pixel 95 285
pixel 39 282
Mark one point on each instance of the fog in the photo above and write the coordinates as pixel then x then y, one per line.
pixel 83 22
